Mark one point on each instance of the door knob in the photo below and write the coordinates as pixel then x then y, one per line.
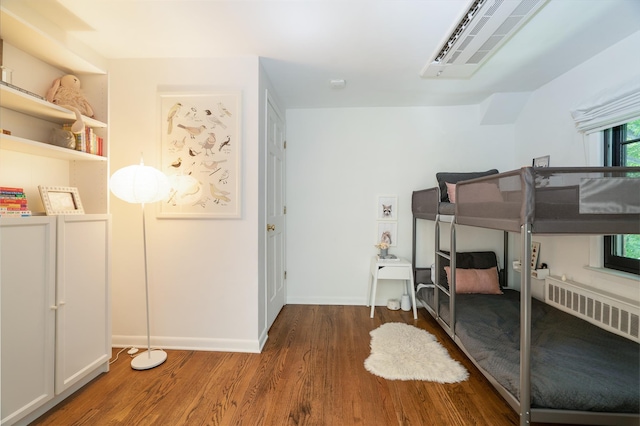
pixel 271 227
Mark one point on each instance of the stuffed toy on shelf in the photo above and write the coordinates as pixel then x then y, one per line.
pixel 66 93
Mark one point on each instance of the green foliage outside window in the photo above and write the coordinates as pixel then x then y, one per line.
pixel 631 243
pixel 632 150
pixel 632 246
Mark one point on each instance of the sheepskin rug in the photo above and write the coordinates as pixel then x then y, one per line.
pixel 404 352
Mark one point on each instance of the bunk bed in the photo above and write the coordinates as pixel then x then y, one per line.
pixel 549 365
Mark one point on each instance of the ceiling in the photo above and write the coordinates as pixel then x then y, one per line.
pixel 378 46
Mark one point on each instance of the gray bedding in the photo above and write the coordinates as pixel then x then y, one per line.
pixel 575 365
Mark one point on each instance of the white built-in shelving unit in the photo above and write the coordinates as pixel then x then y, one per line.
pixel 54 270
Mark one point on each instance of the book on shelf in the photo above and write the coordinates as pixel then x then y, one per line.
pixel 10 190
pixel 13 202
pixel 20 89
pixel 13 206
pixel 10 213
pixel 87 141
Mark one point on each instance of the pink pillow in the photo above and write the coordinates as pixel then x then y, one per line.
pixel 482 281
pixel 451 190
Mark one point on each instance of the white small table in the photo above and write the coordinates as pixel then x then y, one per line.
pixel 399 269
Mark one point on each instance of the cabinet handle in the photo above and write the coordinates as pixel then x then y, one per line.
pixel 271 227
pixel 55 307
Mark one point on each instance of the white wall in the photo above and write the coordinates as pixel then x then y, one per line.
pixel 340 160
pixel 204 274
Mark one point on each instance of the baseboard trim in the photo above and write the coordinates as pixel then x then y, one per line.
pixel 263 338
pixel 326 301
pixel 189 344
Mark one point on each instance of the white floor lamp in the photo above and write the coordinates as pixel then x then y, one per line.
pixel 142 184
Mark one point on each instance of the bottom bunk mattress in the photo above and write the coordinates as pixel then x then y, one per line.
pixel 575 365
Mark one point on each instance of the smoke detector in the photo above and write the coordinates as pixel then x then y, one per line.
pixel 337 84
pixel 483 29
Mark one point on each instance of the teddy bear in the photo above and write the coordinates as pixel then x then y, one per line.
pixel 66 93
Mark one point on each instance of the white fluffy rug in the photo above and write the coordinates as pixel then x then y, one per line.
pixel 404 352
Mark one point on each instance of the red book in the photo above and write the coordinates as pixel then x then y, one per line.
pixel 11 190
pixel 8 203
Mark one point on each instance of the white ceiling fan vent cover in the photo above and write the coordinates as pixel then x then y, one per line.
pixel 483 29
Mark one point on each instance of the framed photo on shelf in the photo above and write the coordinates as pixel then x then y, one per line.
pixel 60 200
pixel 535 252
pixel 387 207
pixel 201 147
pixel 542 161
pixel 386 232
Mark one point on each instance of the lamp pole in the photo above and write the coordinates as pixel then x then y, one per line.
pixel 142 184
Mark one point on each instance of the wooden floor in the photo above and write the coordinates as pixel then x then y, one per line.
pixel 310 373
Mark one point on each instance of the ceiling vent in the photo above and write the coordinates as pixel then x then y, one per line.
pixel 485 27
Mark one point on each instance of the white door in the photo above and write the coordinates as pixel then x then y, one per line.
pixel 276 288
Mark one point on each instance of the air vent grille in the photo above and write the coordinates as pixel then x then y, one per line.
pixel 478 27
pixel 494 7
pixel 525 7
pixel 618 315
pixel 508 25
pixel 477 57
pixel 491 43
pixel 454 56
pixel 481 31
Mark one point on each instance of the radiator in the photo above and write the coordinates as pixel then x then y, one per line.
pixel 613 313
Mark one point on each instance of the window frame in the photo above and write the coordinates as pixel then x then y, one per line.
pixel 614 140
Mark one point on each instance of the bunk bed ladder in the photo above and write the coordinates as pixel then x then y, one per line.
pixel 439 255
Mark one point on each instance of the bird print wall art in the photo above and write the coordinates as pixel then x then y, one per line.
pixel 201 154
pixel 175 109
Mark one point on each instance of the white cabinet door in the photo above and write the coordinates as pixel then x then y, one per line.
pixel 27 294
pixel 83 329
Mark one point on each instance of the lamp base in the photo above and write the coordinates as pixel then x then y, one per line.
pixel 148 359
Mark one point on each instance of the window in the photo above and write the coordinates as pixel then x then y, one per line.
pixel 622 148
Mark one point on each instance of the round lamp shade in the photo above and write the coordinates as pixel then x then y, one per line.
pixel 139 184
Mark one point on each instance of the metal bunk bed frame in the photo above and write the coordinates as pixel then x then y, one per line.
pixel 522 405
